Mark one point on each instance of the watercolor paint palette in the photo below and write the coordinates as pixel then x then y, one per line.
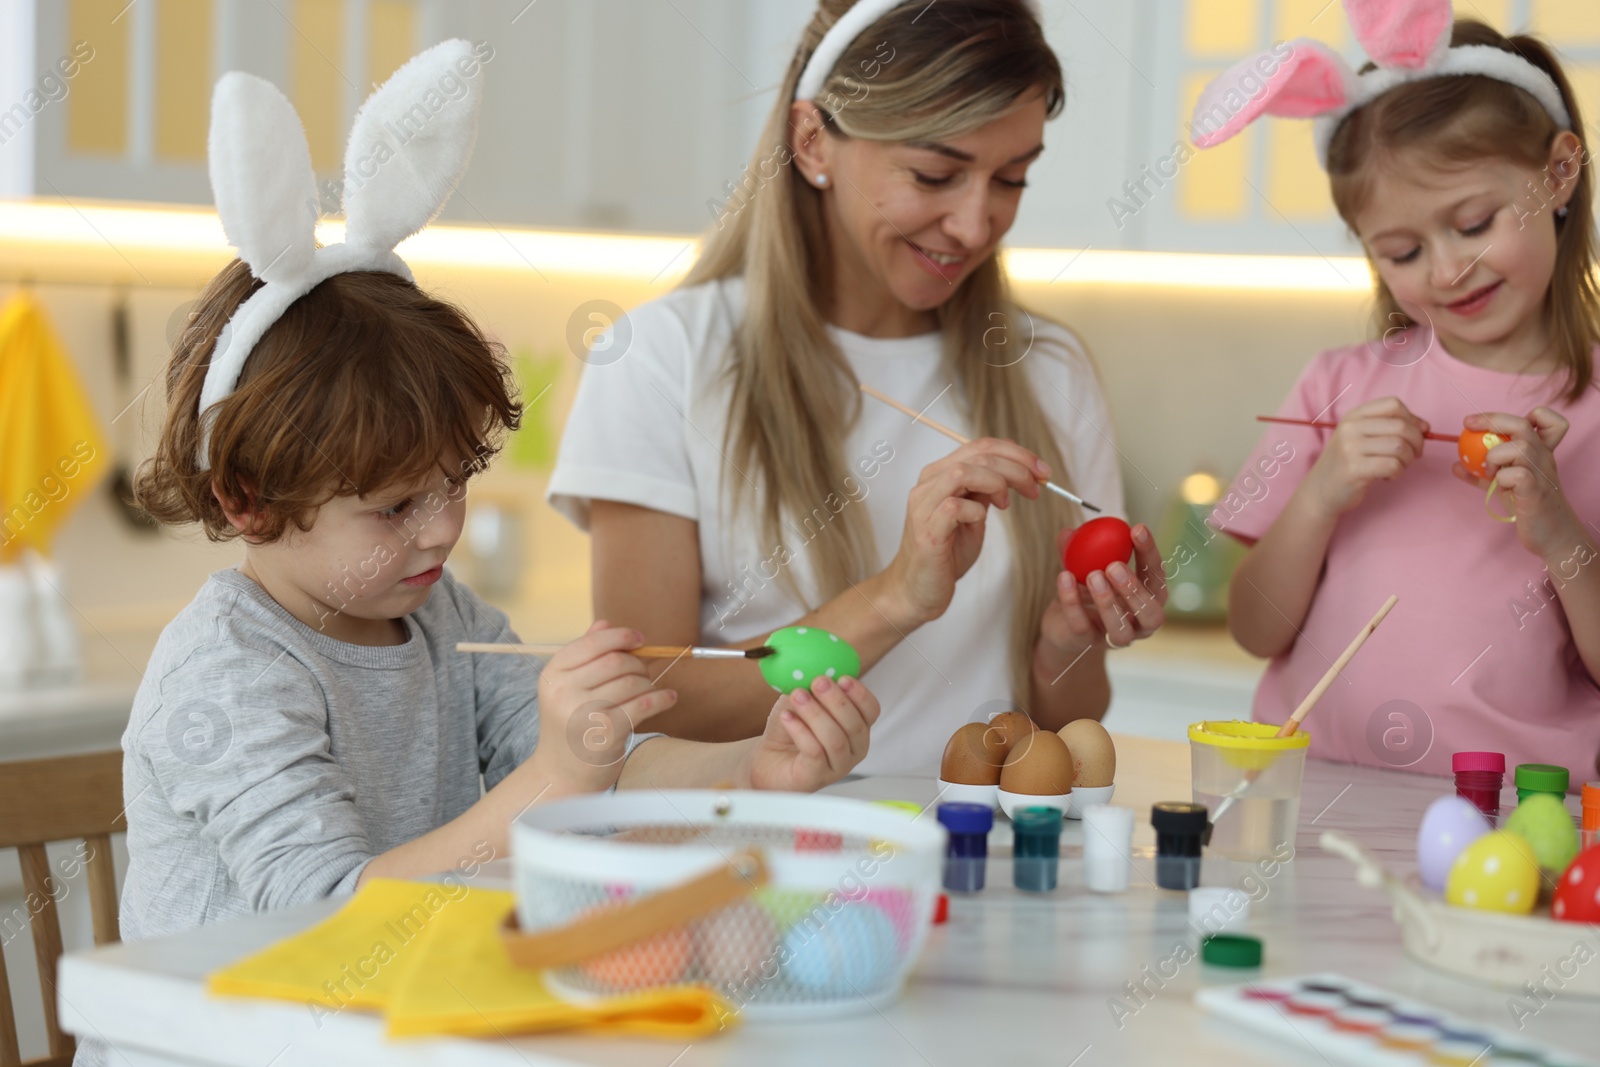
pixel 1350 1022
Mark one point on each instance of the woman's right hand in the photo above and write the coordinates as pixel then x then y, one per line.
pixel 945 518
pixel 1377 440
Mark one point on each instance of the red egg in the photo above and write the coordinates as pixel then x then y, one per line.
pixel 1577 896
pixel 1473 448
pixel 1096 545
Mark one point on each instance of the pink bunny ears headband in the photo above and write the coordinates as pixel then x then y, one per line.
pixel 1409 40
pixel 851 24
pixel 408 149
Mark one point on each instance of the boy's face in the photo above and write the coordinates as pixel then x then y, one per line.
pixel 366 561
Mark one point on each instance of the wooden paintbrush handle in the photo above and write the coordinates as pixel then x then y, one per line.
pixel 643 652
pixel 1288 728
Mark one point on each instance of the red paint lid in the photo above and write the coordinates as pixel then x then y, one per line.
pixel 1479 761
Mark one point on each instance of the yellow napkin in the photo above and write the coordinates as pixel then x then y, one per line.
pixel 428 955
pixel 51 450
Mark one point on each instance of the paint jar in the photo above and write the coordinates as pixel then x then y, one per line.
pixel 1180 831
pixel 1258 773
pixel 1215 909
pixel 1479 777
pixel 1591 814
pixel 966 856
pixel 1107 847
pixel 1534 778
pixel 1036 848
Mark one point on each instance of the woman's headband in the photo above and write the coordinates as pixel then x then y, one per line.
pixel 1409 40
pixel 853 24
pixel 408 149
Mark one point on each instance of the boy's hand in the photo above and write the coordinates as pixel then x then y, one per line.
pixel 592 695
pixel 1377 440
pixel 813 738
pixel 1524 467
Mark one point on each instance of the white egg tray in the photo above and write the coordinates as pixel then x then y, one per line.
pixel 1491 947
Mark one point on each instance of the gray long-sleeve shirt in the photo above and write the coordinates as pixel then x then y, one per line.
pixel 265 763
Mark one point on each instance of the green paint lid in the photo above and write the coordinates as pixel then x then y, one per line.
pixel 1544 777
pixel 1231 950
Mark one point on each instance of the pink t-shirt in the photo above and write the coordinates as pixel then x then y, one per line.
pixel 1477 654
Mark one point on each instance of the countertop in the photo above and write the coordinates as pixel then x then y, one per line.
pixel 1011 978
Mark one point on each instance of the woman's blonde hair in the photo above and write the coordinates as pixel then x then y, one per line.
pixel 921 72
pixel 1465 120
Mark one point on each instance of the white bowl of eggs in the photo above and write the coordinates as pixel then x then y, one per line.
pixel 1497 920
pixel 1009 761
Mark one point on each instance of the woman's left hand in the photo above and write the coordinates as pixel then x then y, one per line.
pixel 1118 606
pixel 1524 468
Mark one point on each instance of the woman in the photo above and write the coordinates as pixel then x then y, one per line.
pixel 735 480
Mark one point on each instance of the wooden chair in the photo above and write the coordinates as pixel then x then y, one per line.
pixel 58 799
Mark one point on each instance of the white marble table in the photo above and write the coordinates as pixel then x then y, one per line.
pixel 1012 978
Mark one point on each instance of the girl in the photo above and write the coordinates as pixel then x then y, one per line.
pixel 735 480
pixel 1458 159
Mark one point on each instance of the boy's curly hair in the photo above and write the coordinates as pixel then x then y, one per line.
pixel 366 383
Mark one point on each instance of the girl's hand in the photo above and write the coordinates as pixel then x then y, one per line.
pixel 1117 606
pixel 1377 440
pixel 814 738
pixel 945 519
pixel 591 696
pixel 1524 468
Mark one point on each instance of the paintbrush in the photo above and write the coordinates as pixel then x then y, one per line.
pixel 644 652
pixel 1289 728
pixel 917 416
pixel 1325 425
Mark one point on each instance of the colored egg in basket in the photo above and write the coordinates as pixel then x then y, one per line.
pixel 735 944
pixel 851 948
pixel 655 961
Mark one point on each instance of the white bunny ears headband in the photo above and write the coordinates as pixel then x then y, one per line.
pixel 408 149
pixel 851 24
pixel 1409 40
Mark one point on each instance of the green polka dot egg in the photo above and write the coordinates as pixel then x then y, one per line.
pixel 803 654
pixel 1497 872
pixel 1543 822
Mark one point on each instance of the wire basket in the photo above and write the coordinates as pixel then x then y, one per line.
pixel 788 905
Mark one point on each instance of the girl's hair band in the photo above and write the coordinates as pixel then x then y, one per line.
pixel 1409 40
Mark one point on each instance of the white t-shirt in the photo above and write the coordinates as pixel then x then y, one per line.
pixel 648 427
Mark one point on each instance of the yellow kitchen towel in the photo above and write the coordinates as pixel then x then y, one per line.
pixel 428 955
pixel 51 451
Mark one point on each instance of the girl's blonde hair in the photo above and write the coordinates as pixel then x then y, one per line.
pixel 922 72
pixel 1464 120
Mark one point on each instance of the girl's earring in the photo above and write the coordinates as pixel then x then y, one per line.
pixel 822 181
pixel 1561 212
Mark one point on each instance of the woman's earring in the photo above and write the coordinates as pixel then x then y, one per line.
pixel 1561 212
pixel 822 181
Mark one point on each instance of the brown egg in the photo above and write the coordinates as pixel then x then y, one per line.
pixel 973 756
pixel 1094 757
pixel 1012 726
pixel 1039 766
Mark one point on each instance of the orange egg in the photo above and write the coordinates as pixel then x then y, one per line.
pixel 1474 449
pixel 655 961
